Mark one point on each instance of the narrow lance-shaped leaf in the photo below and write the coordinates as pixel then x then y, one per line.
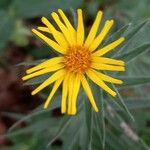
pixel 71 140
pixel 37 80
pixel 65 122
pixel 103 120
pixel 7 24
pixel 134 81
pixel 33 127
pixel 36 112
pixel 127 57
pixel 98 118
pixel 113 142
pixel 133 103
pixel 129 35
pixel 89 121
pixel 117 34
pixel 122 102
pixel 31 63
pixel 35 8
pixel 101 116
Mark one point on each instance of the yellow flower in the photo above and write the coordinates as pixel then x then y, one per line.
pixel 79 58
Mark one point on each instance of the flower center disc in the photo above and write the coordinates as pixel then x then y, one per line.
pixel 77 59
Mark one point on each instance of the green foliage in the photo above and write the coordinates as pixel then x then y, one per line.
pixel 6 28
pixel 106 129
pixel 121 122
pixel 12 11
pixel 20 34
pixel 5 4
pixel 35 8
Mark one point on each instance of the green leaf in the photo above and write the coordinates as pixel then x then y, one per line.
pixel 6 29
pixel 114 142
pixel 43 51
pixel 122 102
pixel 136 28
pixel 132 54
pixel 103 119
pixel 88 113
pixel 129 34
pixel 95 120
pixel 37 80
pixel 66 121
pixel 31 63
pixel 5 3
pixel 134 103
pixel 112 117
pixel 117 34
pixel 35 8
pixel 70 136
pixel 37 126
pixel 74 142
pixel 12 115
pixel 20 34
pixel 38 111
pixel 134 81
pixel 64 124
pixel 100 116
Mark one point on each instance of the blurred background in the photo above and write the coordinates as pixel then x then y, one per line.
pixel 18 50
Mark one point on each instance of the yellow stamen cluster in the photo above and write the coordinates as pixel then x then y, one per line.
pixel 77 59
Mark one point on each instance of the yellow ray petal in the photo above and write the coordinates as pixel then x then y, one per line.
pixel 94 29
pixel 69 37
pixel 64 93
pixel 50 62
pixel 57 75
pixel 97 41
pixel 44 29
pixel 108 47
pixel 59 37
pixel 43 71
pixel 67 22
pixel 54 89
pixel 107 78
pixel 50 42
pixel 110 61
pixel 99 66
pixel 99 82
pixel 70 93
pixel 80 28
pixel 76 87
pixel 88 92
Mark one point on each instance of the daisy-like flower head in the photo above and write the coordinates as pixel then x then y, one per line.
pixel 79 58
